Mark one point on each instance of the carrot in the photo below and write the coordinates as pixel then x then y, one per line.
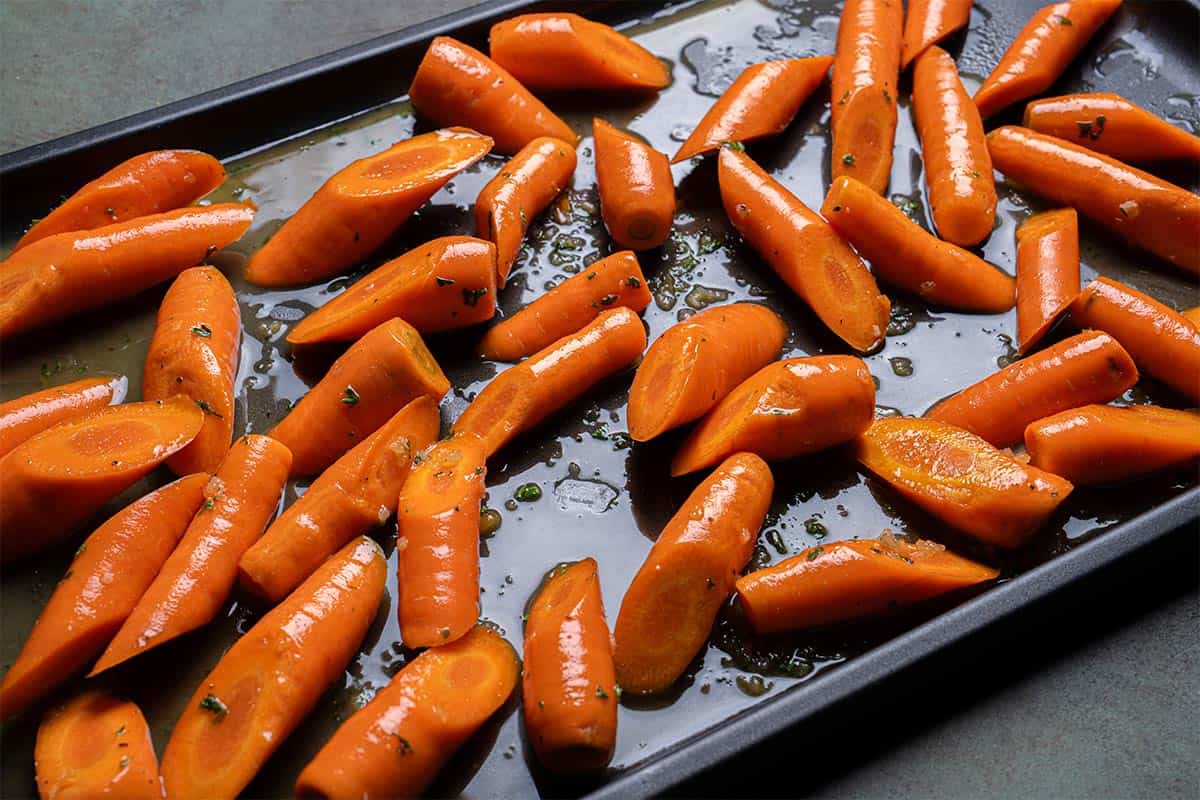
pixel 1192 315
pixel 866 70
pixel 1047 272
pixel 271 678
pixel 458 85
pixel 55 481
pixel 1153 214
pixel 95 745
pixel 519 192
pixel 637 191
pixel 87 607
pixel 33 413
pixel 68 273
pixel 150 183
pixel 929 22
pixel 356 493
pixel 396 744
pixel 1110 124
pixel 786 409
pixel 762 101
pixel 1162 342
pixel 522 396
pixel 844 581
pixel 362 206
pixel 1054 35
pixel 195 581
pixel 904 254
pixel 695 363
pixel 670 606
pixel 380 373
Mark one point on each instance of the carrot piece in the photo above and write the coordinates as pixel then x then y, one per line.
pixel 1047 272
pixel 844 581
pixel 961 479
pixel 195 581
pixel 370 382
pixel 86 610
pixel 68 273
pixel 928 22
pixel 458 85
pixel 95 745
pixel 569 686
pixel 22 417
pixel 356 493
pixel 1192 315
pixel 1054 35
pixel 904 254
pixel 1162 341
pixel 762 101
pixel 150 183
pixel 271 678
pixel 670 606
pixel 637 191
pixel 786 409
pixel 1110 124
pixel 438 561
pixel 1153 214
pixel 55 481
pixel 395 745
pixel 866 69
pixel 519 192
pixel 522 396
pixel 695 363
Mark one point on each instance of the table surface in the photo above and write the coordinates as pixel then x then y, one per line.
pixel 1097 695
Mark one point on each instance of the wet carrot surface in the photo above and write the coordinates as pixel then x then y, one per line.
pixel 637 191
pixel 1047 272
pixel 33 413
pixel 928 22
pixel 1110 124
pixel 1192 315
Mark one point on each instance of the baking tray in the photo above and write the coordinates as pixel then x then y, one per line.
pixel 283 133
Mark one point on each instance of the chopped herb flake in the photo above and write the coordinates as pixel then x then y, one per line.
pixel 471 296
pixel 207 409
pixel 848 159
pixel 209 504
pixel 202 330
pixel 814 553
pixel 212 703
pixel 1065 21
pixel 813 527
pixel 735 146
pixel 603 695
pixel 349 396
pixel 124 762
pixel 528 493
pixel 403 747
pixel 632 282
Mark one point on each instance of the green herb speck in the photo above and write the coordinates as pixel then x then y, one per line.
pixel 207 409
pixel 202 330
pixel 349 396
pixel 848 159
pixel 212 703
pixel 528 493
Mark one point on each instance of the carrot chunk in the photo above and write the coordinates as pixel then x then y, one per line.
pixel 929 22
pixel 1047 272
pixel 1112 125
pixel 25 416
pixel 637 191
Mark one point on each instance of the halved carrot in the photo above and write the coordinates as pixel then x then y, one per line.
pixel 362 206
pixel 380 374
pixel 1110 124
pixel 669 608
pixel 271 678
pixel 904 254
pixel 695 363
pixel 458 85
pixel 396 744
pixel 67 273
pixel 804 251
pixel 761 101
pixel 88 605
pixel 195 581
pixel 637 191
pixel 1047 272
pixel 786 409
pixel 928 22
pixel 1192 315
pixel 33 413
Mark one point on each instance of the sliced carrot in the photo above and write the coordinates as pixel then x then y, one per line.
pixel 928 22
pixel 1110 124
pixel 33 413
pixel 637 191
pixel 1047 272
pixel 670 606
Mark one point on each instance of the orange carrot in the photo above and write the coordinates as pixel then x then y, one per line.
pixel 690 572
pixel 458 85
pixel 395 745
pixel 1110 124
pixel 67 273
pixel 786 409
pixel 1192 315
pixel 928 22
pixel 271 678
pixel 637 191
pixel 695 363
pixel 33 413
pixel 1047 272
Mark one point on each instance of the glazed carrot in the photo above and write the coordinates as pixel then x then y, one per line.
pixel 1153 214
pixel 1047 272
pixel 569 687
pixel 695 363
pixel 362 206
pixel 150 183
pixel 86 609
pixel 356 493
pixel 522 396
pixel 637 191
pixel 458 85
pixel 519 192
pixel 1192 315
pixel 961 479
pixel 844 581
pixel 370 382
pixel 395 745
pixel 904 254
pixel 33 413
pixel 1054 35
pixel 928 22
pixel 786 409
pixel 195 581
pixel 56 480
pixel 1162 342
pixel 271 678
pixel 804 251
pixel 762 101
pixel 1110 124
pixel 67 273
